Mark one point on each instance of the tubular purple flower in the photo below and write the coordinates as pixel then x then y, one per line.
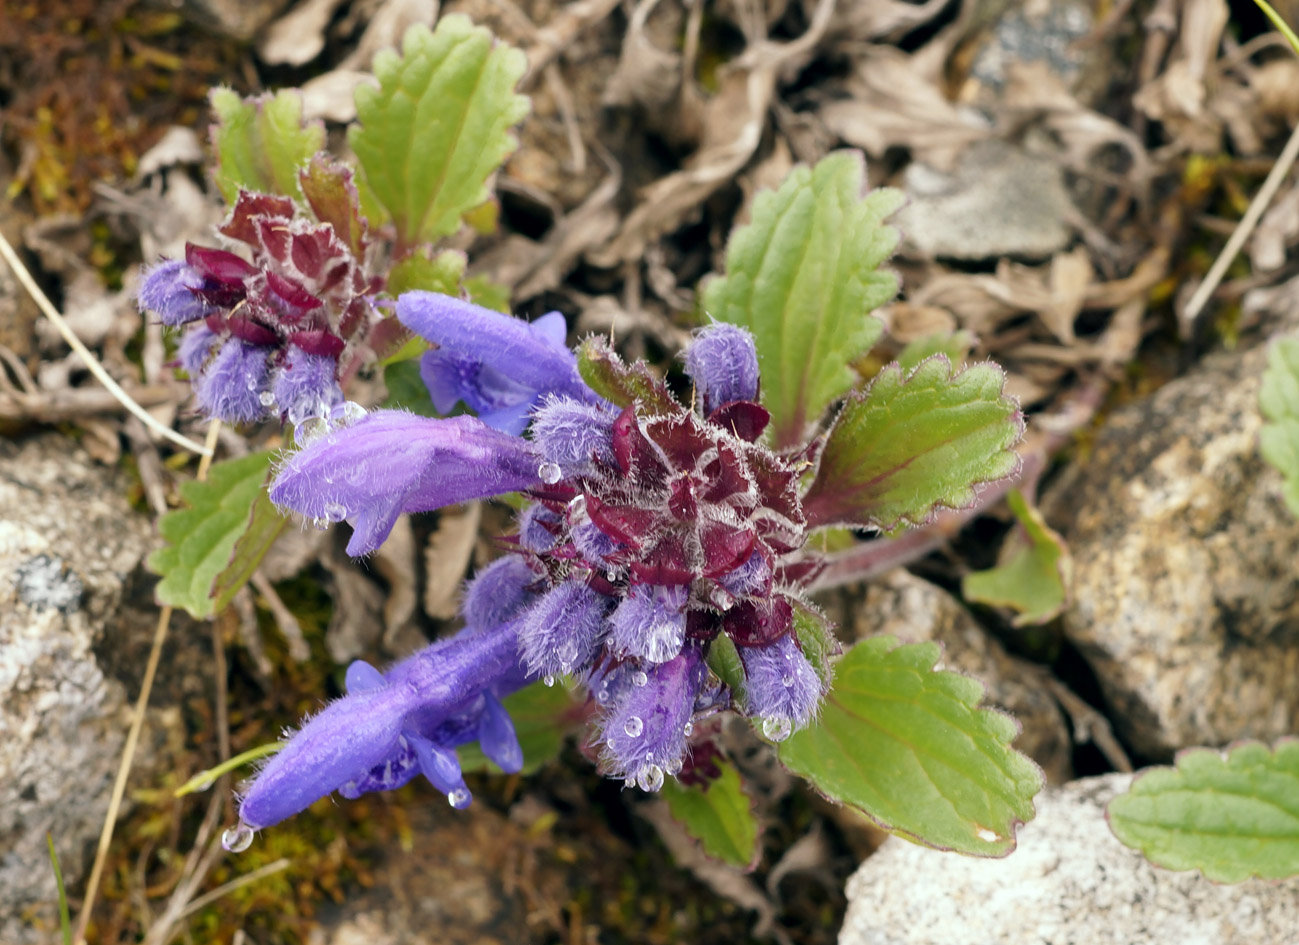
pixel 723 363
pixel 498 365
pixel 645 735
pixel 390 727
pixel 782 687
pixel 229 387
pixel 195 348
pixel 563 630
pixel 306 384
pixel 573 437
pixel 390 462
pixel 498 592
pixel 538 528
pixel 650 623
pixel 167 290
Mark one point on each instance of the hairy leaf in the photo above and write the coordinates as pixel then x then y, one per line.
pixel 620 383
pixel 909 746
pixel 543 716
pixel 437 127
pixel 719 817
pixel 265 523
pixel 329 186
pixel 201 538
pixel 261 143
pixel 912 443
pixel 1033 579
pixel 1279 400
pixel 1230 817
pixel 803 277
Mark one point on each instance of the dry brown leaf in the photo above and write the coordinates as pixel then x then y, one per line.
pixel 864 22
pixel 1276 232
pixel 356 620
pixel 646 75
pixel 446 558
pixel 908 322
pixel 395 563
pixel 298 36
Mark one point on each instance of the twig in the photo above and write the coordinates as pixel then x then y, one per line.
pixel 137 723
pixel 1242 232
pixel 88 358
pixel 1089 725
pixel 57 406
pixel 262 871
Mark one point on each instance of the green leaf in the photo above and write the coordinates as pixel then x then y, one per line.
pixel 483 291
pixel 424 269
pixel 543 716
pixel 262 142
pixel 1231 818
pixel 815 638
pixel 621 384
pixel 803 278
pixel 912 443
pixel 719 817
pixel 330 188
pixel 724 661
pixel 437 127
pixel 909 747
pixel 1279 401
pixel 264 525
pixel 1033 580
pixel 201 538
pixel 955 345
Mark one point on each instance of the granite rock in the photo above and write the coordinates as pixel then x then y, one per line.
pixel 69 542
pixel 1069 882
pixel 1184 597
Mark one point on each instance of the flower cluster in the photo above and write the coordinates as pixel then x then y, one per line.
pixel 654 529
pixel 265 337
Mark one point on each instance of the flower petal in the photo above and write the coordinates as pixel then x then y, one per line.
pixel 723 363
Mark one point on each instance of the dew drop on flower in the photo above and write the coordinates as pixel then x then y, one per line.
pixel 320 524
pixel 237 839
pixel 336 513
pixel 777 727
pixel 639 678
pixel 787 680
pixel 459 798
pixel 721 598
pixel 634 726
pixel 673 767
pixel 351 412
pixel 310 430
pixel 550 473
pixel 266 398
pixel 548 679
pixel 649 778
pixel 688 730
pixel 664 643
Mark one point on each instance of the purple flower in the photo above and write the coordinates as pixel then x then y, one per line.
pixel 230 386
pixel 650 623
pixel 646 733
pixel 574 437
pixel 498 592
pixel 562 631
pixel 390 727
pixel 390 462
pixel 195 348
pixel 167 290
pixel 782 687
pixel 723 363
pixel 498 365
pixel 306 384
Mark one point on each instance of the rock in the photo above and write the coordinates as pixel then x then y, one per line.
pixel 913 610
pixel 999 201
pixel 1184 598
pixel 68 544
pixel 1070 882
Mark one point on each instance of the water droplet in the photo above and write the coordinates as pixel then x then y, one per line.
pixel 548 679
pixel 577 506
pixel 566 652
pixel 673 767
pixel 602 696
pixel 550 473
pixel 310 430
pixel 787 680
pixel 689 729
pixel 634 726
pixel 320 524
pixel 649 756
pixel 611 575
pixel 459 798
pixel 639 678
pixel 351 412
pixel 237 839
pixel 335 512
pixel 721 598
pixel 266 398
pixel 664 643
pixel 777 727
pixel 650 778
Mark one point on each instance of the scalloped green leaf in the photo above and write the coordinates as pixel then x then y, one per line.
pixel 265 524
pixel 912 443
pixel 1231 817
pixel 803 277
pixel 438 125
pixel 201 538
pixel 1033 579
pixel 909 746
pixel 719 816
pixel 1279 401
pixel 261 143
pixel 543 716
